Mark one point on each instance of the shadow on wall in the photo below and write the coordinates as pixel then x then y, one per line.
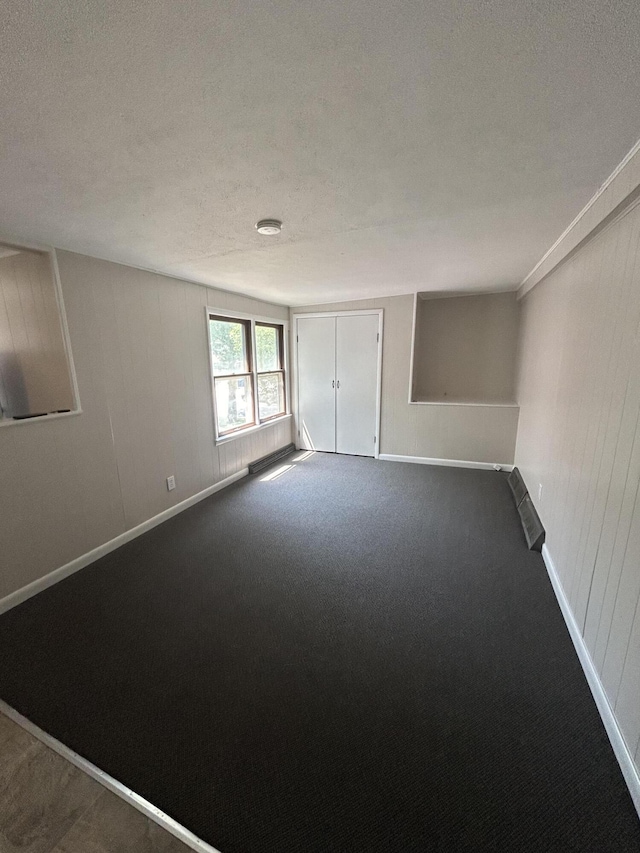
pixel 14 399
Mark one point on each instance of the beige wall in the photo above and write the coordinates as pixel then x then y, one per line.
pixel 476 433
pixel 466 347
pixel 579 437
pixel 34 374
pixel 140 351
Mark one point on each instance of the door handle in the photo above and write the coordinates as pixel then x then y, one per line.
pixel 338 384
pixel 333 383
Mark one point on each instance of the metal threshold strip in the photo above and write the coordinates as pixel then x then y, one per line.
pixel 168 823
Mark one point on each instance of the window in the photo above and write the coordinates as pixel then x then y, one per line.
pixel 270 368
pixel 247 365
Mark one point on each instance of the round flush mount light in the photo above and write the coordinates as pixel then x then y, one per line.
pixel 269 227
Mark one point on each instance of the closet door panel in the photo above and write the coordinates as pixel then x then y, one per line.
pixel 316 383
pixel 357 384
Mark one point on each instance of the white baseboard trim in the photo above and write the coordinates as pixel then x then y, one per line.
pixel 168 823
pixel 625 759
pixel 450 463
pixel 25 592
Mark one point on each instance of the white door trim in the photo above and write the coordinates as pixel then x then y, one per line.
pixel 294 385
pixel 414 322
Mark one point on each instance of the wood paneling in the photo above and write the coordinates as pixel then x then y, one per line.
pixel 579 437
pixel 475 433
pixel 140 350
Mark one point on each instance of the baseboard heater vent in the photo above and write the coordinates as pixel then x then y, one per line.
pixel 531 524
pixel 517 486
pixel 259 464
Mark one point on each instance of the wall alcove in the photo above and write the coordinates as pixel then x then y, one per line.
pixel 465 349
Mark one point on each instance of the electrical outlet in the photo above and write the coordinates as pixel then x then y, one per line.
pixel 539 491
pixel 171 483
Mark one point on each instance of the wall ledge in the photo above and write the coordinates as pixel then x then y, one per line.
pixel 461 403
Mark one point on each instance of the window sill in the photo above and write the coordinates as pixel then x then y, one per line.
pixel 242 432
pixel 54 416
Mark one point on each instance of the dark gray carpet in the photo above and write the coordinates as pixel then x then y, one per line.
pixel 357 656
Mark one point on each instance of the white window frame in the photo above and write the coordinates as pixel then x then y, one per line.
pixel 253 319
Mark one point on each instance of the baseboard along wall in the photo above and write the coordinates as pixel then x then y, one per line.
pixel 625 759
pixel 451 463
pixel 33 588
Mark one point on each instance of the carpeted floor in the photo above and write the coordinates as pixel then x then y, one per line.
pixel 356 656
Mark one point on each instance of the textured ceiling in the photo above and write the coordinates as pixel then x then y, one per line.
pixel 418 145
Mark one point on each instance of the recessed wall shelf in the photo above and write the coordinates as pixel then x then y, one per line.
pixel 465 349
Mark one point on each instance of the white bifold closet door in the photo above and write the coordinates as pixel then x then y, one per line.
pixel 317 383
pixel 356 384
pixel 338 383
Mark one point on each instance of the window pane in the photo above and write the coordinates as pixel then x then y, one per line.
pixel 228 340
pixel 267 348
pixel 270 395
pixel 234 404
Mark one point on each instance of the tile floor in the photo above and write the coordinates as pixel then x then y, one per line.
pixel 47 805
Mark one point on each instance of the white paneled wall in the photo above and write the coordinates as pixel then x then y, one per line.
pixel 476 433
pixel 139 343
pixel 579 438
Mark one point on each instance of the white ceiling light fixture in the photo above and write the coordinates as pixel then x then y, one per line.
pixel 269 227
